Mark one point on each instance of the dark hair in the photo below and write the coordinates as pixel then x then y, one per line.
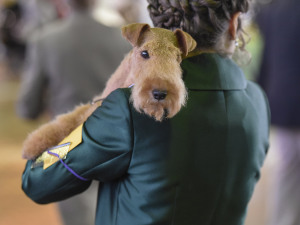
pixel 81 4
pixel 204 20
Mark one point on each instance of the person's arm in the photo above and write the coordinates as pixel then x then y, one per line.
pixel 104 155
pixel 33 84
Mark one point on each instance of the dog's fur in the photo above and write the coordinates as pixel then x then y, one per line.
pixel 161 71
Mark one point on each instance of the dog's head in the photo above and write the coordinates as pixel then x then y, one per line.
pixel 155 68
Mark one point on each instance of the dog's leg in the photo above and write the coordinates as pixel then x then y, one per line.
pixel 52 133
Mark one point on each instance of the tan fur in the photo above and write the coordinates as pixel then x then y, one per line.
pixel 161 72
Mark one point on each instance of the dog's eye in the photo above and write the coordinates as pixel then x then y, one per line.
pixel 145 54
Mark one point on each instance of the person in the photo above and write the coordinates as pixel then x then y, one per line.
pixel 72 66
pixel 280 78
pixel 36 15
pixel 69 62
pixel 199 167
pixel 11 44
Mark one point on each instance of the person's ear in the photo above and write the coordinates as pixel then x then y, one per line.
pixel 233 25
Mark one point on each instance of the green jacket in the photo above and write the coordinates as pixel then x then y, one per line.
pixel 198 168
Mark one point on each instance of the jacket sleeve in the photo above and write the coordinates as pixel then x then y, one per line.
pixel 33 84
pixel 104 155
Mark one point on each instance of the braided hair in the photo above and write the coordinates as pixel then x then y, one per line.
pixel 205 20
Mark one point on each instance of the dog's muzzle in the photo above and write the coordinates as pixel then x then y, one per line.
pixel 159 95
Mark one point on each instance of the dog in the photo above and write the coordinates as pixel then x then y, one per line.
pixel 151 68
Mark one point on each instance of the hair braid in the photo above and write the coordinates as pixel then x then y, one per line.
pixel 204 20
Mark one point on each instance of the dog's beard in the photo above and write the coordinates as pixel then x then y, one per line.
pixel 143 100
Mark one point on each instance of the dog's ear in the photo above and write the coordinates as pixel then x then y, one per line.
pixel 185 42
pixel 133 32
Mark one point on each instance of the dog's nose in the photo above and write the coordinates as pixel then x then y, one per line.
pixel 159 95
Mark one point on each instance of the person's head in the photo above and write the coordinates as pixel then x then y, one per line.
pixel 214 24
pixel 81 4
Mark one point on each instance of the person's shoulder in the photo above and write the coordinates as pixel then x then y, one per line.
pixel 109 31
pixel 105 35
pixel 48 31
pixel 115 31
pixel 254 87
pixel 115 107
pixel 256 93
pixel 119 98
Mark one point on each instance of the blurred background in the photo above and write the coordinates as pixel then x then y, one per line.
pixel 19 22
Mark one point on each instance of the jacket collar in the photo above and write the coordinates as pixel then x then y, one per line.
pixel 212 72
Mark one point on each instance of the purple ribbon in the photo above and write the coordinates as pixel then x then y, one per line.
pixel 67 167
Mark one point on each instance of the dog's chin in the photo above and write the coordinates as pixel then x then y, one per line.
pixel 143 99
pixel 155 111
pixel 159 110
